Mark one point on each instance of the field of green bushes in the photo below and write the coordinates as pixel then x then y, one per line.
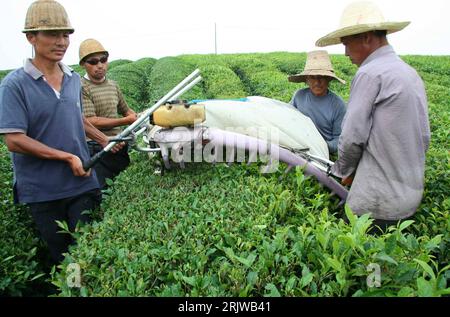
pixel 215 230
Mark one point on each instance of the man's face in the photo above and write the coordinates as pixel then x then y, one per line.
pixel 355 49
pixel 318 85
pixel 96 66
pixel 50 45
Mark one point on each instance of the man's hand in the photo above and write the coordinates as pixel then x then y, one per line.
pixel 131 117
pixel 77 167
pixel 347 181
pixel 117 147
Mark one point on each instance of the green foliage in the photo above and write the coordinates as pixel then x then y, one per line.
pixel 133 80
pixel 118 62
pixel 288 63
pixel 145 64
pixel 230 231
pixel 433 216
pixel 3 74
pixel 219 81
pixel 166 74
pixel 227 231
pixel 19 245
pixel 261 77
pixel 78 69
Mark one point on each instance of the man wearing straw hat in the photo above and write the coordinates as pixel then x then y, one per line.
pixel 324 107
pixel 105 107
pixel 42 123
pixel 385 132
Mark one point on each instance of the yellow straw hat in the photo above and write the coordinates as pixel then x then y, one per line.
pixel 47 15
pixel 89 47
pixel 360 17
pixel 318 63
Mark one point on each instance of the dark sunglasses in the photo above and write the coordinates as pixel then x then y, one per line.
pixel 95 61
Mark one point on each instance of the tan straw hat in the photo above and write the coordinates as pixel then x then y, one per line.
pixel 47 15
pixel 89 47
pixel 360 17
pixel 318 63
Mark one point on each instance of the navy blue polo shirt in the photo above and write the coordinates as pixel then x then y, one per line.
pixel 28 104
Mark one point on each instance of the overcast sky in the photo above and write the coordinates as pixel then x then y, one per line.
pixel 133 29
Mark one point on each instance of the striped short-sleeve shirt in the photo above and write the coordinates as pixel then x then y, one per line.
pixel 103 100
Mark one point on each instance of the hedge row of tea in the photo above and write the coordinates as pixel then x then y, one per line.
pixel 19 245
pixel 229 231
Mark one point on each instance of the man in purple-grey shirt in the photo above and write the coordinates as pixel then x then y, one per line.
pixel 385 132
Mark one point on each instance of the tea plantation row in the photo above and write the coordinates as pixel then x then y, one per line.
pixel 230 231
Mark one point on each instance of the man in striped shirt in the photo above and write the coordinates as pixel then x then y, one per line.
pixel 105 107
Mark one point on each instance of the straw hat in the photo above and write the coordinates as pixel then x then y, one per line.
pixel 318 63
pixel 47 15
pixel 89 47
pixel 360 17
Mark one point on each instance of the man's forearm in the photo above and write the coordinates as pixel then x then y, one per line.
pixel 20 143
pixel 107 123
pixel 95 134
pixel 348 160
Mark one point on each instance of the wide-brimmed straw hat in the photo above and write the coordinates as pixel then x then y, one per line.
pixel 318 63
pixel 360 17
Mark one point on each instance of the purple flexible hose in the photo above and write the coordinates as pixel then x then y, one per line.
pixel 239 141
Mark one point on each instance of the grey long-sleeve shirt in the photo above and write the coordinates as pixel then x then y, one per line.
pixel 384 138
pixel 326 112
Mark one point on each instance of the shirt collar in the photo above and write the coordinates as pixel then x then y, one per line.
pixel 382 51
pixel 30 69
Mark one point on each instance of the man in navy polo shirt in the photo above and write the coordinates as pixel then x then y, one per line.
pixel 42 123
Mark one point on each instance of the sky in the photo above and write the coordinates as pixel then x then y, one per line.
pixel 133 29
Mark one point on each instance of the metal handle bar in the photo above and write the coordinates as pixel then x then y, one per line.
pixel 176 92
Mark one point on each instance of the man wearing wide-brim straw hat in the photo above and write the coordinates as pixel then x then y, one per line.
pixel 318 102
pixel 386 131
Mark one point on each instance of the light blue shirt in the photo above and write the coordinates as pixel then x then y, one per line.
pixel 327 113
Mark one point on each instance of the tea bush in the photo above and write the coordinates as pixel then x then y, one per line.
pixel 78 69
pixel 231 231
pixel 219 231
pixel 228 231
pixel 133 80
pixel 261 77
pixel 19 267
pixel 433 217
pixel 118 62
pixel 166 74
pixel 288 63
pixel 219 81
pixel 3 74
